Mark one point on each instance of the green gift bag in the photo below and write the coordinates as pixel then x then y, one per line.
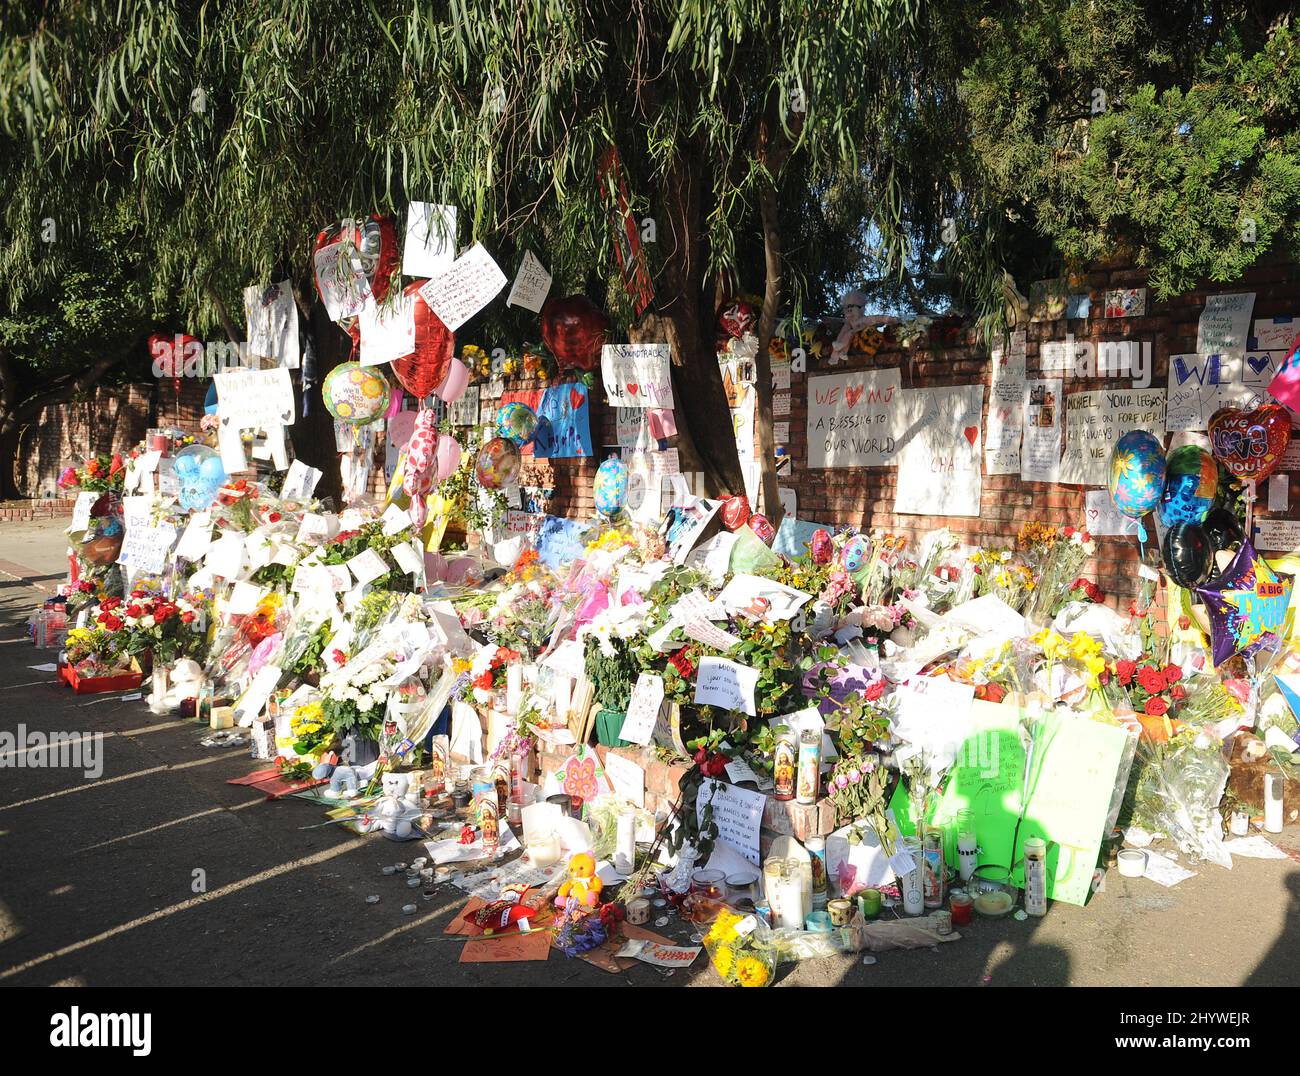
pixel 608 725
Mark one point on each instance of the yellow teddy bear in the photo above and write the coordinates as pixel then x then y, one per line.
pixel 582 887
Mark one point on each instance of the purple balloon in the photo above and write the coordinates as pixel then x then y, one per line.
pixel 1247 604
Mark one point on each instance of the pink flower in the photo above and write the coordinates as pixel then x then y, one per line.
pixel 854 776
pixel 841 781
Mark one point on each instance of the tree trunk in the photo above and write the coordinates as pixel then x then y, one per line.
pixel 682 318
pixel 313 434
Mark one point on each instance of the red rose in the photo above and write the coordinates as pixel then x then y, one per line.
pixel 274 517
pixel 110 603
pixel 1173 674
pixel 874 690
pixel 1151 680
pixel 715 766
pixel 994 692
pixel 187 616
pixel 164 613
pixel 1124 670
pixel 134 610
pixel 1068 532
pixel 1179 692
pixel 484 682
pixel 1156 707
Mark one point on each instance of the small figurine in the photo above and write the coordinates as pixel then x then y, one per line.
pixel 582 887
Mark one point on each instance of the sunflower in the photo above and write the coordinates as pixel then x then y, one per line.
pixel 752 972
pixel 723 960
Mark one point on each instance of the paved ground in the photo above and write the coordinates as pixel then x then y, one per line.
pixel 96 885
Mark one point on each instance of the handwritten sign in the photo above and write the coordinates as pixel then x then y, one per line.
pixel 532 284
pixel 147 543
pixel 852 419
pixel 387 332
pixel 637 375
pixel 1095 421
pixel 939 458
pixel 1101 517
pixel 738 814
pixel 1275 334
pixel 627 778
pixel 1040 455
pixel 1006 406
pixel 1224 327
pixel 254 398
pixel 1201 384
pixel 643 709
pixel 272 319
pixel 725 684
pixel 464 289
pixel 1277 535
pixel 561 541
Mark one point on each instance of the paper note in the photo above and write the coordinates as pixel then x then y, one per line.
pixel 272 322
pixel 708 633
pixel 532 284
pixel 225 557
pixel 460 292
pixel 367 566
pixel 430 246
pixel 1040 457
pixel 1275 334
pixel 1101 517
pixel 1277 535
pixel 81 511
pixel 627 778
pixel 725 684
pixel 1095 421
pixel 254 398
pixel 395 520
pixel 637 375
pixel 643 709
pixel 387 331
pixel 299 482
pixel 1006 406
pixel 197 537
pixel 738 814
pixel 1279 493
pixel 1224 326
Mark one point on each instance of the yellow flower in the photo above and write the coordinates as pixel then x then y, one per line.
pixel 723 960
pixel 752 972
pixel 1051 643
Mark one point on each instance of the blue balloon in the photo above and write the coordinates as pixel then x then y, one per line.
pixel 609 490
pixel 1137 473
pixel 200 474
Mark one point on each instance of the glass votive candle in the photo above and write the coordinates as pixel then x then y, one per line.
pixel 962 907
pixel 869 903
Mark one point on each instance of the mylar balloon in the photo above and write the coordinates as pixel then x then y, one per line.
pixel 199 471
pixel 762 526
pixel 1285 386
pixel 418 468
pixel 517 422
pixel 1188 554
pixel 1222 528
pixel 1137 473
pixel 575 330
pixel 735 512
pixel 821 547
pixel 1247 604
pixel 610 488
pixel 737 317
pixel 1191 482
pixel 1250 443
pixel 355 394
pixel 498 462
pixel 855 553
pixel 426 367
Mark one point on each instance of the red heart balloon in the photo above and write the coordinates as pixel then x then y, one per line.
pixel 575 330
pixel 1250 443
pixel 425 368
pixel 762 526
pixel 735 512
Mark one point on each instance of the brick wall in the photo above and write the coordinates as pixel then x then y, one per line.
pixel 952 355
pixel 107 419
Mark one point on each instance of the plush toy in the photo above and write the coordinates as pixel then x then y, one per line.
pixel 582 887
pixel 183 680
pixel 345 781
pixel 392 815
pixel 509 913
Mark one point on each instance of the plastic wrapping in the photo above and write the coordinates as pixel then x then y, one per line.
pixel 1177 793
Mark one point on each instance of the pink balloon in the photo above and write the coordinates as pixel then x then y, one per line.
pixel 448 458
pixel 455 383
pixel 435 567
pixel 395 403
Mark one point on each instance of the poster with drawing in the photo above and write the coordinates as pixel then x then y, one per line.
pixel 1201 384
pixel 563 423
pixel 1006 406
pixel 939 464
pixel 637 375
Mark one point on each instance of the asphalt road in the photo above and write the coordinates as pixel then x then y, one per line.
pixel 97 876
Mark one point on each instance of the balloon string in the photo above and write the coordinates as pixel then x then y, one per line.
pixel 1250 510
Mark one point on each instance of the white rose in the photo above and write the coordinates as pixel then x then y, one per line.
pixel 364 703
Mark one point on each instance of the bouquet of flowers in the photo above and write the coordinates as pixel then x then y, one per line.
pixel 488 672
pixel 1059 572
pixel 740 949
pixel 167 629
pixel 858 787
pixel 95 651
pixel 356 699
pixel 98 474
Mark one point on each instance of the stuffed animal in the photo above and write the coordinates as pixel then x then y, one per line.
pixel 183 680
pixel 346 781
pixel 393 813
pixel 582 887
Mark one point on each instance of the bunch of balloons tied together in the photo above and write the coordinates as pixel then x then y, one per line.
pixel 1192 492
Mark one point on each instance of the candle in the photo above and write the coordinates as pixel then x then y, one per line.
pixel 789 906
pixel 961 906
pixel 995 903
pixel 544 851
pixel 870 903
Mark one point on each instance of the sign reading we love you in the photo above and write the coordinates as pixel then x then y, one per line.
pixel 637 375
pixel 854 419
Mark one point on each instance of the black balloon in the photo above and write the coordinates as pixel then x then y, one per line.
pixel 1188 554
pixel 1222 528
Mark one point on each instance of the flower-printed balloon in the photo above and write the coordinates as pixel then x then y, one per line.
pixel 498 462
pixel 609 490
pixel 822 547
pixel 355 394
pixel 1247 604
pixel 517 422
pixel 199 471
pixel 1137 473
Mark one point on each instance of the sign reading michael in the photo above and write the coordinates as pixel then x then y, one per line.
pixel 853 419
